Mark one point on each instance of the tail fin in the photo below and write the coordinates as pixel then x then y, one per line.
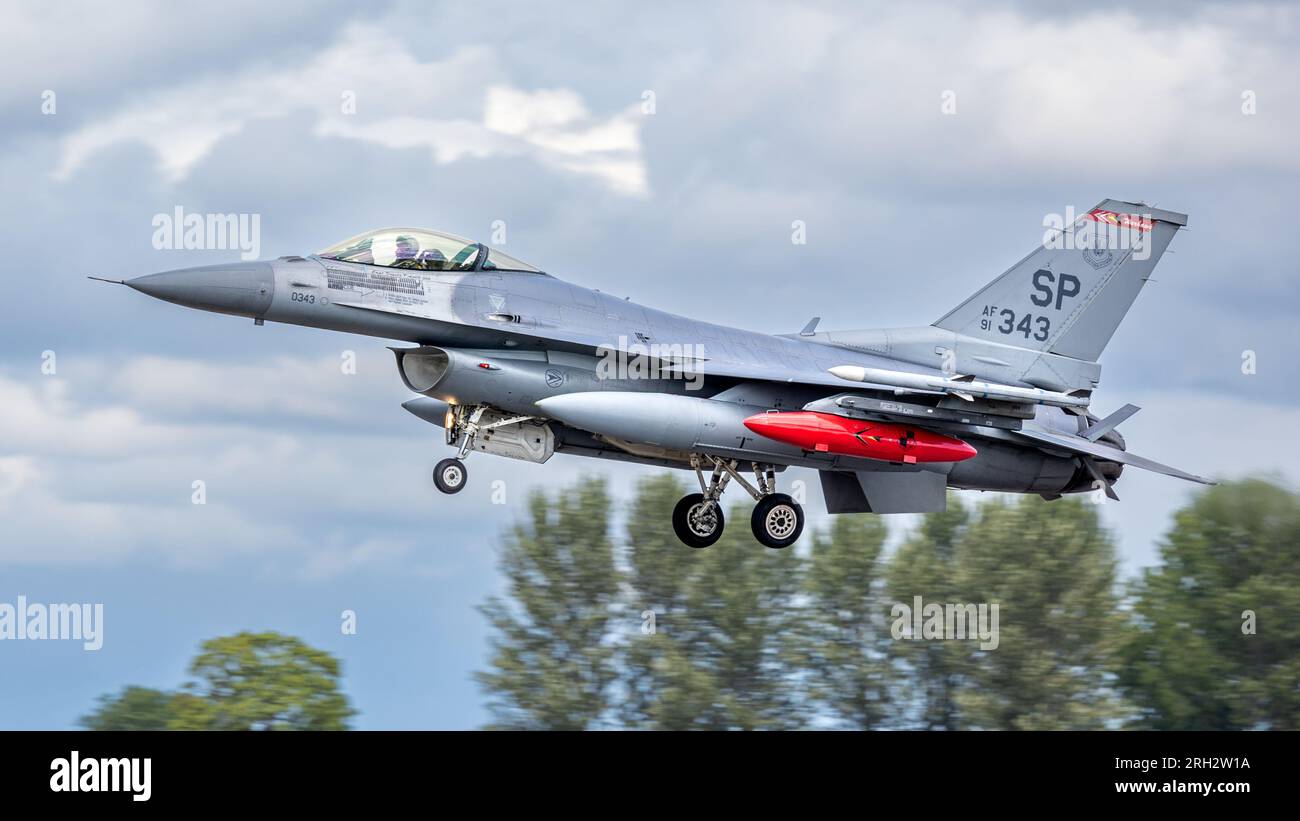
pixel 1068 296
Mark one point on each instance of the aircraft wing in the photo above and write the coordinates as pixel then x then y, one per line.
pixel 1078 444
pixel 804 364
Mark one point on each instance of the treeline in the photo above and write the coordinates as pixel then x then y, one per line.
pixel 248 681
pixel 630 629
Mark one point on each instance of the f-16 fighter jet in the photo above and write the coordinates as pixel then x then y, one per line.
pixel 511 361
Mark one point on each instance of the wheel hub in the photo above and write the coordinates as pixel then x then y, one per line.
pixel 780 521
pixel 703 519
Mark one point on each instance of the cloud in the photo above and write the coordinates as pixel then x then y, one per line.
pixel 1076 96
pixel 94 472
pixel 371 88
pixel 84 53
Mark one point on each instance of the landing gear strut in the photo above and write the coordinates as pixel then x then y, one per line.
pixel 777 520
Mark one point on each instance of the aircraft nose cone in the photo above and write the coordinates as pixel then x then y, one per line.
pixel 242 288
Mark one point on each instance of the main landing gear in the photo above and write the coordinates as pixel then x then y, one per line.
pixel 777 519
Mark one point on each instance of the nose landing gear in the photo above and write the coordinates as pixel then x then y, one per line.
pixel 777 520
pixel 463 426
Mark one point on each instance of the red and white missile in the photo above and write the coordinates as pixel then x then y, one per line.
pixel 828 433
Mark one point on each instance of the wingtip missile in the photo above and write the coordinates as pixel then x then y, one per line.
pixel 965 387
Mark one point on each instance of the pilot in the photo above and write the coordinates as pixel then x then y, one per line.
pixel 407 249
pixel 433 260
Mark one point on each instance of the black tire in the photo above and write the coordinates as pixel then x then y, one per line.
pixel 692 527
pixel 777 521
pixel 450 475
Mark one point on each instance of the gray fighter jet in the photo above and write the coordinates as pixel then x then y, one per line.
pixel 513 362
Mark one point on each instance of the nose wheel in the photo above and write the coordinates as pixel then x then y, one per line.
pixel 450 475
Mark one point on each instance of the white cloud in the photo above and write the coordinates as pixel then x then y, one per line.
pixel 1087 94
pixel 83 47
pixel 458 107
pixel 287 386
pixel 99 471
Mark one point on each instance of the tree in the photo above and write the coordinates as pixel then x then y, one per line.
pixel 248 681
pixel 662 688
pixel 926 566
pixel 135 708
pixel 552 663
pixel 262 681
pixel 1215 643
pixel 722 615
pixel 841 643
pixel 646 633
pixel 1050 568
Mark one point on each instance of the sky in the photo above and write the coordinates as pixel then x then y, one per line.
pixel 662 152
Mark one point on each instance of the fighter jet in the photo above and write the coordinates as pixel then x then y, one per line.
pixel 511 361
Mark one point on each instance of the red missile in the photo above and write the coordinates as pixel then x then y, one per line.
pixel 828 433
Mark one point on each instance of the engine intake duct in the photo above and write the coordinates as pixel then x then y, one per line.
pixel 422 368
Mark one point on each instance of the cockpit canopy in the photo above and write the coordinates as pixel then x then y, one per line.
pixel 423 250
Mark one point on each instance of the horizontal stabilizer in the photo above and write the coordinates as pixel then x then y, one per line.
pixel 1078 444
pixel 1108 424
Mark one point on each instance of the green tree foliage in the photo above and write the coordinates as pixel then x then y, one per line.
pixel 925 565
pixel 262 681
pixel 248 681
pixel 552 663
pixel 841 639
pixel 135 708
pixel 721 618
pixel 1192 661
pixel 663 688
pixel 1052 569
pixel 737 636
